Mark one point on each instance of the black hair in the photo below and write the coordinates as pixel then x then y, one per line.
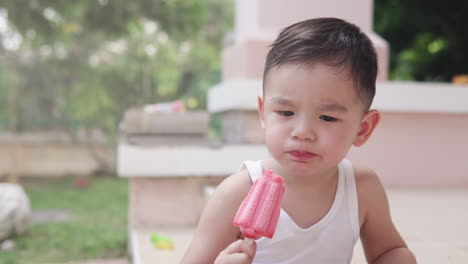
pixel 331 41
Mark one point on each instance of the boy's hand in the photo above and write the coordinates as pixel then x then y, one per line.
pixel 239 252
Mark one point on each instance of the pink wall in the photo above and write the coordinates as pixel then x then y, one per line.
pixel 418 149
pixel 359 12
pixel 258 22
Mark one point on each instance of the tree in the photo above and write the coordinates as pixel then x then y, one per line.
pixel 87 61
pixel 428 38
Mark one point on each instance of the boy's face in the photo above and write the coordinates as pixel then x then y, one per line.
pixel 312 116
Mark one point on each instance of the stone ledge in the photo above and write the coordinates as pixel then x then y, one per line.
pixel 234 95
pixel 139 121
pixel 184 161
pixel 423 97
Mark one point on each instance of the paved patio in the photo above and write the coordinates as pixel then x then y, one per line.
pixel 432 221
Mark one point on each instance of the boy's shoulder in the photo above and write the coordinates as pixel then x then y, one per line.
pixel 370 190
pixel 366 177
pixel 235 187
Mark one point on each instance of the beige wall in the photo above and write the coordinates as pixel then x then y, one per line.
pixel 168 201
pixel 49 159
pixel 418 149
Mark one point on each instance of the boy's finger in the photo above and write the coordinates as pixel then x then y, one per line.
pixel 240 246
pixel 234 247
pixel 240 258
pixel 250 249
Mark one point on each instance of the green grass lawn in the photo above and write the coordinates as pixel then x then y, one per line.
pixel 97 229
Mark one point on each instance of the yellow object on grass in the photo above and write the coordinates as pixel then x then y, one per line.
pixel 192 103
pixel 161 242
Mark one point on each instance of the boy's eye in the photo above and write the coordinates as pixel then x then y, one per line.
pixel 285 113
pixel 328 118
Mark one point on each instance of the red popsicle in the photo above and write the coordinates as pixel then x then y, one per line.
pixel 259 212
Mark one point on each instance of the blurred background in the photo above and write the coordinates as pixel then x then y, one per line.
pixel 79 65
pixel 69 71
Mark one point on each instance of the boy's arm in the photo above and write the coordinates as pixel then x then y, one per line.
pixel 215 230
pixel 381 241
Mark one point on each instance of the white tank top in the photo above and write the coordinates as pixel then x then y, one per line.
pixel 331 240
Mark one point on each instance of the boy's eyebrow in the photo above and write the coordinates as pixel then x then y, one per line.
pixel 325 105
pixel 333 106
pixel 281 101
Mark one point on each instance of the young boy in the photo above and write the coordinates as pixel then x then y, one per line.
pixel 318 86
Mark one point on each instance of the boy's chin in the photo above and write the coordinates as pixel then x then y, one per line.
pixel 307 168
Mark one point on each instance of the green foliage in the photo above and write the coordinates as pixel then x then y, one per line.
pixel 427 38
pixel 88 61
pixel 98 228
pixel 54 20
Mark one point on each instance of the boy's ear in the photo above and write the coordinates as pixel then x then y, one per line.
pixel 260 111
pixel 369 122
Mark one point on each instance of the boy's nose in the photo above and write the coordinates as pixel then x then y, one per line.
pixel 304 130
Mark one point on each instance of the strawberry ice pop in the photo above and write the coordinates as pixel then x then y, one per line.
pixel 259 212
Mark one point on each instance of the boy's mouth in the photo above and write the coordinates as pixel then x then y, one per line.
pixel 302 155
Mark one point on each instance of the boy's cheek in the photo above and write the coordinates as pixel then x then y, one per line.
pixel 275 136
pixel 336 142
pixel 275 128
